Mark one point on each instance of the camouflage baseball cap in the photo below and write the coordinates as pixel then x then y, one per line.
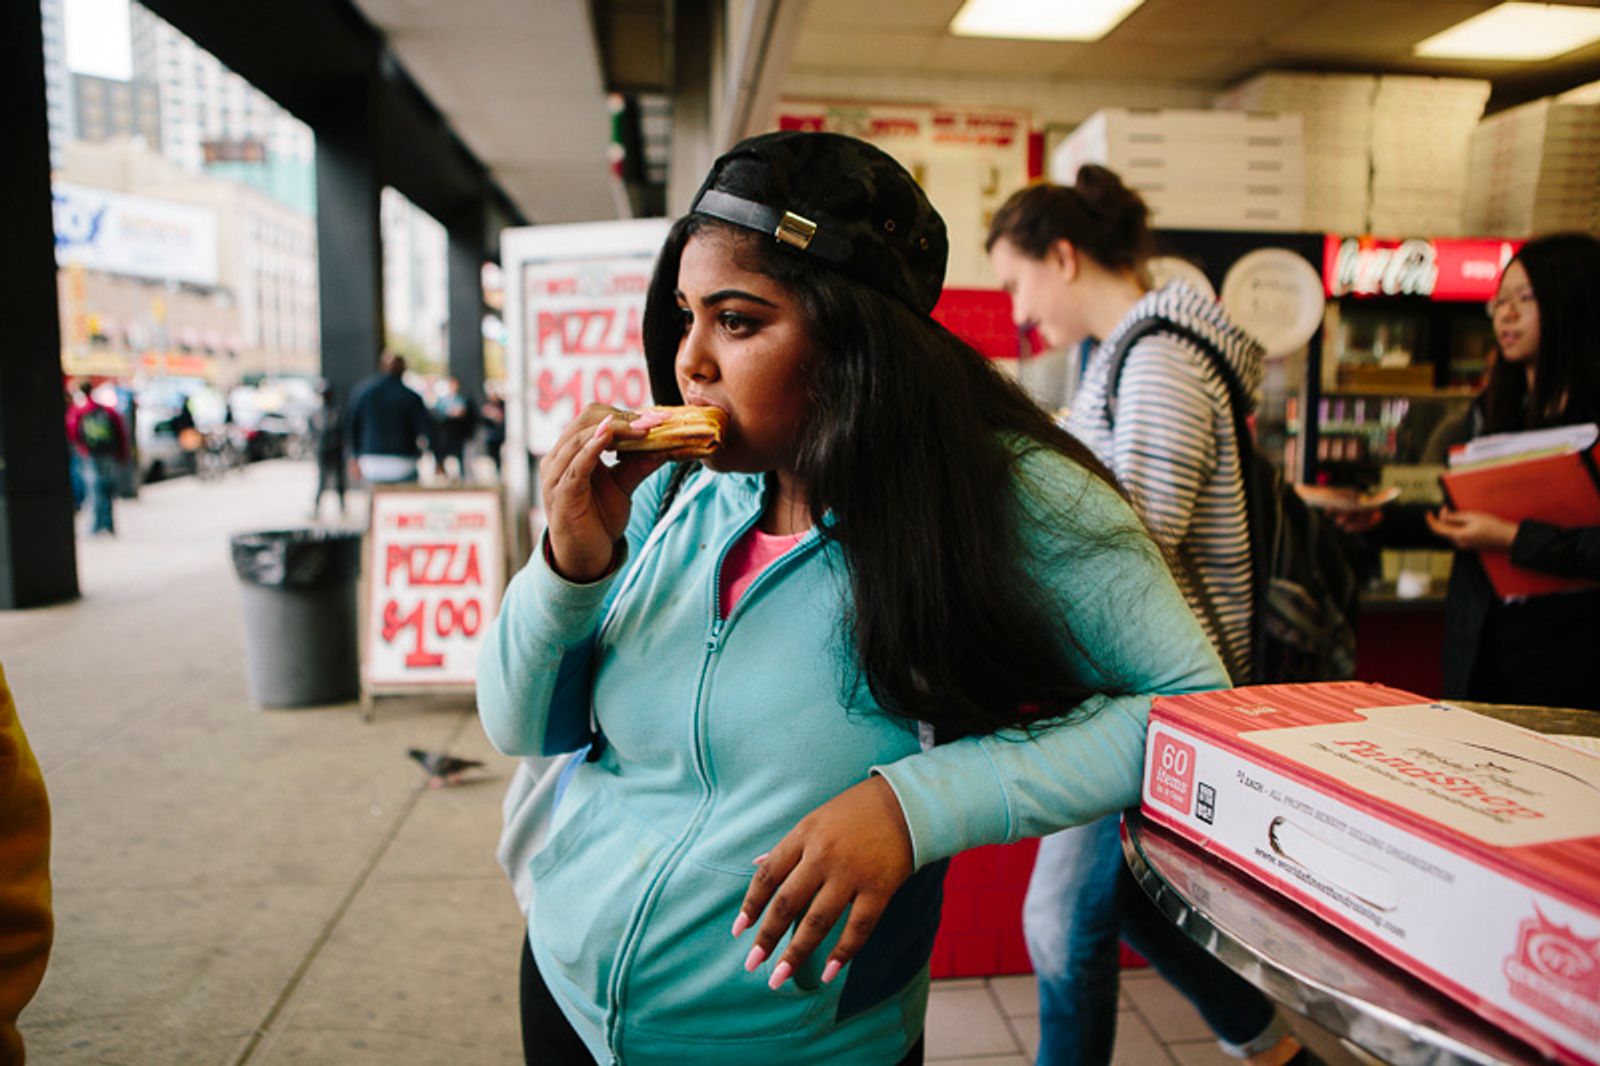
pixel 838 200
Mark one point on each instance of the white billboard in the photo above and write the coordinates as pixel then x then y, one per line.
pixel 134 235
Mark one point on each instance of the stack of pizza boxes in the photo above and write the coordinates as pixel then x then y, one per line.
pixel 1461 848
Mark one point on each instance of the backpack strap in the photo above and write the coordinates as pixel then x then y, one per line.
pixel 1237 400
pixel 1238 404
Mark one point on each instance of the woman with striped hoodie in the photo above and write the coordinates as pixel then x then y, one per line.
pixel 1073 260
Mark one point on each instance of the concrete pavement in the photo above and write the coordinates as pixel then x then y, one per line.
pixel 238 886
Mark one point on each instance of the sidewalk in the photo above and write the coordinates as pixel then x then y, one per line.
pixel 235 886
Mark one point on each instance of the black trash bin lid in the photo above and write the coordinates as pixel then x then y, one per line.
pixel 297 558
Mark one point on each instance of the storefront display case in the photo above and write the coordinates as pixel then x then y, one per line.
pixel 1404 348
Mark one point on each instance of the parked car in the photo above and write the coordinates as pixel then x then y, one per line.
pixel 161 453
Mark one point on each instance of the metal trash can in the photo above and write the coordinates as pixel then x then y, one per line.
pixel 300 628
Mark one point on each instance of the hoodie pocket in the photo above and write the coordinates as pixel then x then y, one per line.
pixel 587 881
pixel 688 981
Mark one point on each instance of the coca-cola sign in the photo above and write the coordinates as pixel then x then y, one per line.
pixel 1416 266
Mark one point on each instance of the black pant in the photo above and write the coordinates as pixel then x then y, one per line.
pixel 330 476
pixel 548 1039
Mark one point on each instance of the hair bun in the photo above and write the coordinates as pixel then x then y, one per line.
pixel 1104 195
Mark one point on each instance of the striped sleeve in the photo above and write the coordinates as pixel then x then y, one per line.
pixel 1164 442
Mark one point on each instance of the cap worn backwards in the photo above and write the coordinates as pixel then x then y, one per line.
pixel 838 200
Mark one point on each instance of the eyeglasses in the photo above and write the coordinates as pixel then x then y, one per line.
pixel 1523 301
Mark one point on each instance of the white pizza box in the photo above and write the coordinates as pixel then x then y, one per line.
pixel 1463 849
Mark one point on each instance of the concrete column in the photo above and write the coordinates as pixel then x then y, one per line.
pixel 38 558
pixel 465 273
pixel 349 239
pixel 697 54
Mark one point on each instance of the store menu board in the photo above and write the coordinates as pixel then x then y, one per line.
pixel 436 570
pixel 968 161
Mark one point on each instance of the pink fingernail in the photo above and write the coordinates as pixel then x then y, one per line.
pixel 599 431
pixel 780 974
pixel 830 971
pixel 648 420
pixel 759 859
pixel 757 956
pixel 740 924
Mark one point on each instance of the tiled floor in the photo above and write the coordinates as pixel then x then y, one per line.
pixel 994 1021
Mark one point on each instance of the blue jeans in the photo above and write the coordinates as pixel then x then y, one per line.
pixel 1081 901
pixel 103 489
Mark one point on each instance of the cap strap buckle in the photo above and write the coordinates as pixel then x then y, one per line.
pixel 795 231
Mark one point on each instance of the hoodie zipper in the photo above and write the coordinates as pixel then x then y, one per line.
pixel 713 646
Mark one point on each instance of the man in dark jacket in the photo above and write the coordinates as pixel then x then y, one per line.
pixel 384 424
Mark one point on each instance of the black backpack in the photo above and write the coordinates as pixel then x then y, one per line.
pixel 1306 592
pixel 98 427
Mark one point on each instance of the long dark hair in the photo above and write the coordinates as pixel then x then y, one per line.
pixel 1564 273
pixel 909 449
pixel 1097 213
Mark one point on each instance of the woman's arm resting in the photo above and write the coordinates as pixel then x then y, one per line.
pixel 856 850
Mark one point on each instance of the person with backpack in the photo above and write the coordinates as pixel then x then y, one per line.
pixel 97 432
pixel 1073 260
pixel 871 630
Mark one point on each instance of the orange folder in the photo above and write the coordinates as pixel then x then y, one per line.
pixel 1563 490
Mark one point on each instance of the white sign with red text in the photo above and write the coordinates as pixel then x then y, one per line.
pixel 574 305
pixel 436 571
pixel 577 323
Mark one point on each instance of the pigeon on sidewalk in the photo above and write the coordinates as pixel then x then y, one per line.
pixel 443 768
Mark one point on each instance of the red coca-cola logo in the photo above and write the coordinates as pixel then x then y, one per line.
pixel 1403 268
pixel 1557 972
pixel 1438 268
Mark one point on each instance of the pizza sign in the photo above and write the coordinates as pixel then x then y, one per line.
pixel 436 576
pixel 583 320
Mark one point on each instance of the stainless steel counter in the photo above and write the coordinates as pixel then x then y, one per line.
pixel 1313 968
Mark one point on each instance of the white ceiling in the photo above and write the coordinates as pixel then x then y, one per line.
pixel 521 80
pixel 1201 43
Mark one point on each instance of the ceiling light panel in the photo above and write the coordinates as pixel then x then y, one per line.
pixel 1516 31
pixel 1041 20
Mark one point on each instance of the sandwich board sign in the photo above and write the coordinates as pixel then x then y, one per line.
pixel 435 572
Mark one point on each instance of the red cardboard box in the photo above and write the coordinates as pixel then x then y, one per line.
pixel 1462 848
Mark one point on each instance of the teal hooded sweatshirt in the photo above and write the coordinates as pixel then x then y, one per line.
pixel 721 734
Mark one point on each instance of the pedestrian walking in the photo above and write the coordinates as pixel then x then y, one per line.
pixel 327 431
pixel 97 431
pixel 456 420
pixel 386 424
pixel 493 411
